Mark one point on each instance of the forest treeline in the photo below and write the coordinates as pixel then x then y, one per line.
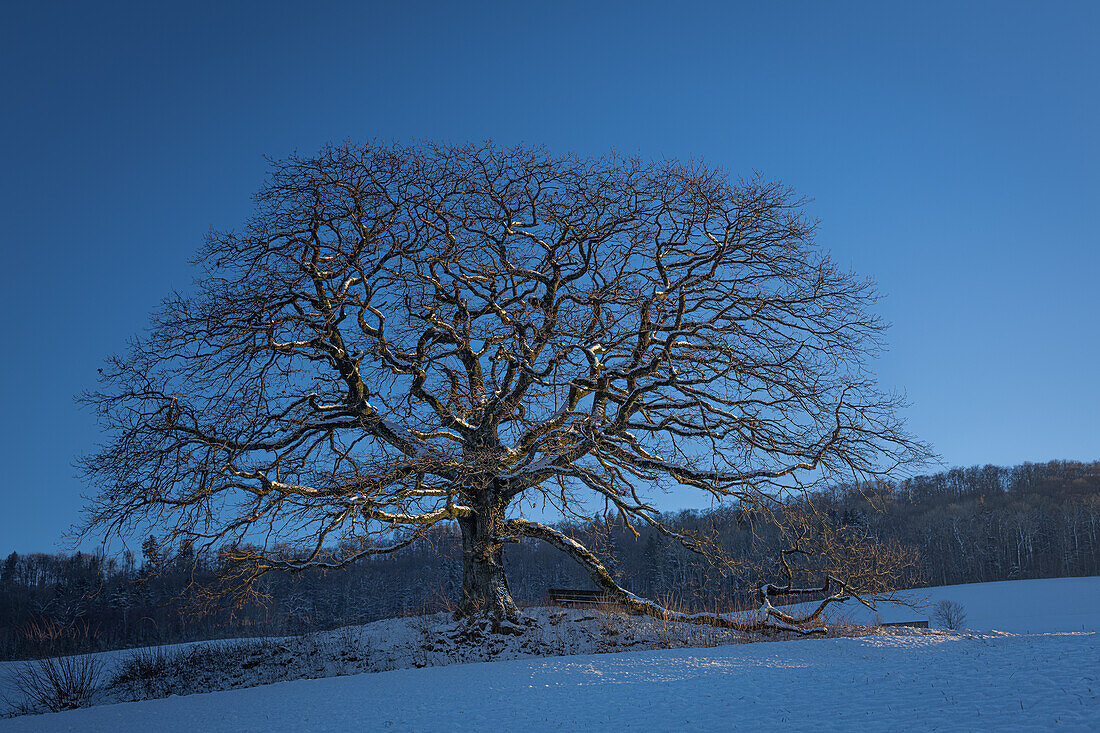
pixel 962 526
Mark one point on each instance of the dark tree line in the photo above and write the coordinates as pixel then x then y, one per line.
pixel 964 525
pixel 983 524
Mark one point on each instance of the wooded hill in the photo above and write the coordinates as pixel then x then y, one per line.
pixel 967 525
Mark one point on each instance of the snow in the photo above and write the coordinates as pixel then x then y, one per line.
pixel 1045 673
pixel 390 644
pixel 1018 606
pixel 937 681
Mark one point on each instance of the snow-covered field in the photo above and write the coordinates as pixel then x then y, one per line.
pixel 981 680
pixel 934 682
pixel 1019 606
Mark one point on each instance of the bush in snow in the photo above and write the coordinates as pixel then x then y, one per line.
pixel 54 683
pixel 156 672
pixel 950 615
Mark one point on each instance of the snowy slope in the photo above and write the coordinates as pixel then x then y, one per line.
pixel 963 682
pixel 1018 606
pixel 930 682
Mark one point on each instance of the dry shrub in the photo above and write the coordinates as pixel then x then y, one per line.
pixel 950 615
pixel 145 670
pixel 45 637
pixel 55 683
pixel 612 620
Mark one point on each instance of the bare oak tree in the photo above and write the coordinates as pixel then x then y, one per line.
pixel 404 336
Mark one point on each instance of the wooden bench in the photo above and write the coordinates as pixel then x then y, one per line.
pixel 579 598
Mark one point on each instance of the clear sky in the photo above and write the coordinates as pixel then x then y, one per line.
pixel 952 152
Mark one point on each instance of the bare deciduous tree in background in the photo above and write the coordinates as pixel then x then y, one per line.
pixel 950 615
pixel 404 336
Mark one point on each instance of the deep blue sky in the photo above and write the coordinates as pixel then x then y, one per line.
pixel 952 152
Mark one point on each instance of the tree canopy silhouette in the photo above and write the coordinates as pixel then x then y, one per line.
pixel 408 335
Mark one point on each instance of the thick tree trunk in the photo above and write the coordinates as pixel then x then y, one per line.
pixel 484 586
